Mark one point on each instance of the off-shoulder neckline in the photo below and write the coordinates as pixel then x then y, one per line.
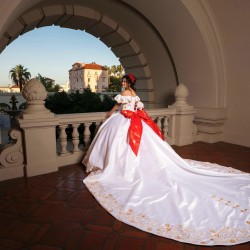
pixel 128 95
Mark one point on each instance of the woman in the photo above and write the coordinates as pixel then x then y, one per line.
pixel 138 178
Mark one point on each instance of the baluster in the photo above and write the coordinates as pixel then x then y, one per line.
pixel 158 122
pixel 63 139
pixel 75 137
pixel 81 135
pixel 165 126
pixel 87 134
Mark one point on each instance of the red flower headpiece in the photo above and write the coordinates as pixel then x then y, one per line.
pixel 132 78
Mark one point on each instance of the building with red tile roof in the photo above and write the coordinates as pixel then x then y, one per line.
pixel 13 88
pixel 88 75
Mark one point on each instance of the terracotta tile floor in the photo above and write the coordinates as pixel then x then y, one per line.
pixel 56 211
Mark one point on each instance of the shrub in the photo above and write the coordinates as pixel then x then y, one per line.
pixel 88 101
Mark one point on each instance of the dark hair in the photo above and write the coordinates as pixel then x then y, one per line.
pixel 131 79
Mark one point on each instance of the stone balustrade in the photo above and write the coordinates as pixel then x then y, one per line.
pixel 72 127
pixel 47 141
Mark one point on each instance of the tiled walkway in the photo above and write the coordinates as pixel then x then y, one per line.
pixel 56 211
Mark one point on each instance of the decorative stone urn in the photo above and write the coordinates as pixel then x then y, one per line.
pixel 35 94
pixel 181 93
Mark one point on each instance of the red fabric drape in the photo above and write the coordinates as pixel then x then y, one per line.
pixel 135 128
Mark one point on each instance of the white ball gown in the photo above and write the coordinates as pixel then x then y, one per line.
pixel 159 192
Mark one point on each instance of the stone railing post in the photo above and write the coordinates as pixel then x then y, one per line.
pixel 38 125
pixel 184 127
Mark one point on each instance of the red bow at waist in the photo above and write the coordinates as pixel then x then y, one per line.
pixel 135 128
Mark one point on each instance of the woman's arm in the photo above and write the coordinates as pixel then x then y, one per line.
pixel 116 106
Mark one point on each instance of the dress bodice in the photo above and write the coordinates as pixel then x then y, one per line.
pixel 131 103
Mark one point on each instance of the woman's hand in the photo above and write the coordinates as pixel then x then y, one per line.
pixel 108 114
pixel 116 106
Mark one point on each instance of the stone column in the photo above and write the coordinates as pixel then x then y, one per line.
pixel 184 127
pixel 38 124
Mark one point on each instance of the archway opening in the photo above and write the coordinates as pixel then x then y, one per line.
pixel 156 75
pixel 51 51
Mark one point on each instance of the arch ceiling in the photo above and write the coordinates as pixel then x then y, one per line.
pixel 130 32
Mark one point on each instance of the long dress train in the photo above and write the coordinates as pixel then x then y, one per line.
pixel 159 192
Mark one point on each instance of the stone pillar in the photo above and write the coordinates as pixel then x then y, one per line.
pixel 38 124
pixel 184 127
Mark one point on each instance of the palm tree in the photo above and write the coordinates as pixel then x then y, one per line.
pixel 117 70
pixel 20 75
pixel 108 69
pixel 120 70
pixel 113 70
pixel 47 82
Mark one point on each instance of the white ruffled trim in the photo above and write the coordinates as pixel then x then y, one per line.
pixel 125 99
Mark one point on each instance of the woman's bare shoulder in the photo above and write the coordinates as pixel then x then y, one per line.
pixel 127 92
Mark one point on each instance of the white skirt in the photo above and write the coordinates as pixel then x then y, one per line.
pixel 159 192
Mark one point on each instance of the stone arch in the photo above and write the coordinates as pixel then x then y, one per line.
pixel 156 71
pixel 110 32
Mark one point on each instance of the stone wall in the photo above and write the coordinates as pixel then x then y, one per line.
pixel 6 97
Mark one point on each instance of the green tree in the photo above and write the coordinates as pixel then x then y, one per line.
pixel 57 88
pixel 117 70
pixel 113 69
pixel 59 103
pixel 64 103
pixel 48 84
pixel 120 70
pixel 114 85
pixel 108 68
pixel 20 75
pixel 115 74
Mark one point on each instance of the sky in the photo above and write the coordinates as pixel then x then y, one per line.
pixel 51 52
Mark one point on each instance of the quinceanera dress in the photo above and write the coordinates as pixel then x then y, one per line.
pixel 139 179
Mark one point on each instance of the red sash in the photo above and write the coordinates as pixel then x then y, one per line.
pixel 135 128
